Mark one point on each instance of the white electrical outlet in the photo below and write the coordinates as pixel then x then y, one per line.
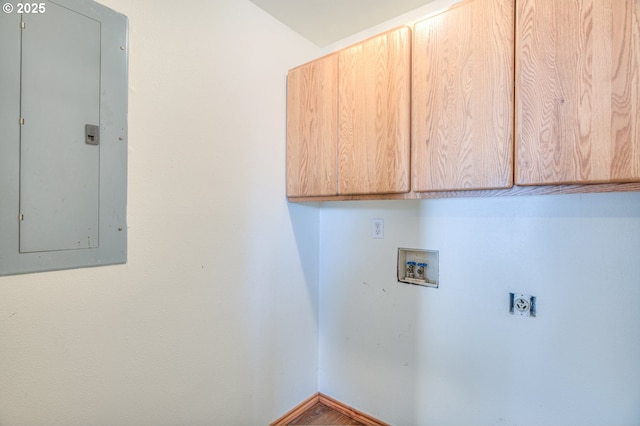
pixel 378 228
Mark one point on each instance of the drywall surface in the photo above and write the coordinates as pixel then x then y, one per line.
pixel 196 328
pixel 454 355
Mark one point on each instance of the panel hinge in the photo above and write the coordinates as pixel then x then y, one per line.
pixel 21 217
pixel 21 120
pixel 23 25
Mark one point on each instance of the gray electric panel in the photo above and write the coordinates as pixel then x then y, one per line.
pixel 63 136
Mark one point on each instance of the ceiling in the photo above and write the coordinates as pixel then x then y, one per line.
pixel 326 21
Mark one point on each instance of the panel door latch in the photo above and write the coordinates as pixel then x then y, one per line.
pixel 92 134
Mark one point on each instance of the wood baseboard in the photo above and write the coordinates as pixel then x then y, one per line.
pixel 356 415
pixel 299 409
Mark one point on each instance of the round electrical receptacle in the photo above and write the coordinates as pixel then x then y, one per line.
pixel 522 305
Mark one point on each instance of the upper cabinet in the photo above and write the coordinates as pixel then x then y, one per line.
pixel 312 128
pixel 374 115
pixel 489 97
pixel 578 91
pixel 348 120
pixel 462 98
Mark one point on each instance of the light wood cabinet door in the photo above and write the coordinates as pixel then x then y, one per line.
pixel 463 97
pixel 374 115
pixel 312 128
pixel 578 91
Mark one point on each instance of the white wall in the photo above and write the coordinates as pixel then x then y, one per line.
pixel 454 355
pixel 214 318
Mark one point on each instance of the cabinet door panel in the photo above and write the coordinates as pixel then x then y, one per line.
pixel 374 113
pixel 312 135
pixel 578 95
pixel 462 125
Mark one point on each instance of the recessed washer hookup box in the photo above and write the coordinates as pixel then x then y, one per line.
pixel 419 267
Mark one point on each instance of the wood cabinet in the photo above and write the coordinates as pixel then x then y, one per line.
pixel 462 98
pixel 312 128
pixel 348 120
pixel 549 88
pixel 374 115
pixel 578 91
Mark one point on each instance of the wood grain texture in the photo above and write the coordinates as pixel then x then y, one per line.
pixel 320 414
pixel 296 411
pixel 350 412
pixel 312 128
pixel 374 115
pixel 513 191
pixel 322 409
pixel 578 91
pixel 463 96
